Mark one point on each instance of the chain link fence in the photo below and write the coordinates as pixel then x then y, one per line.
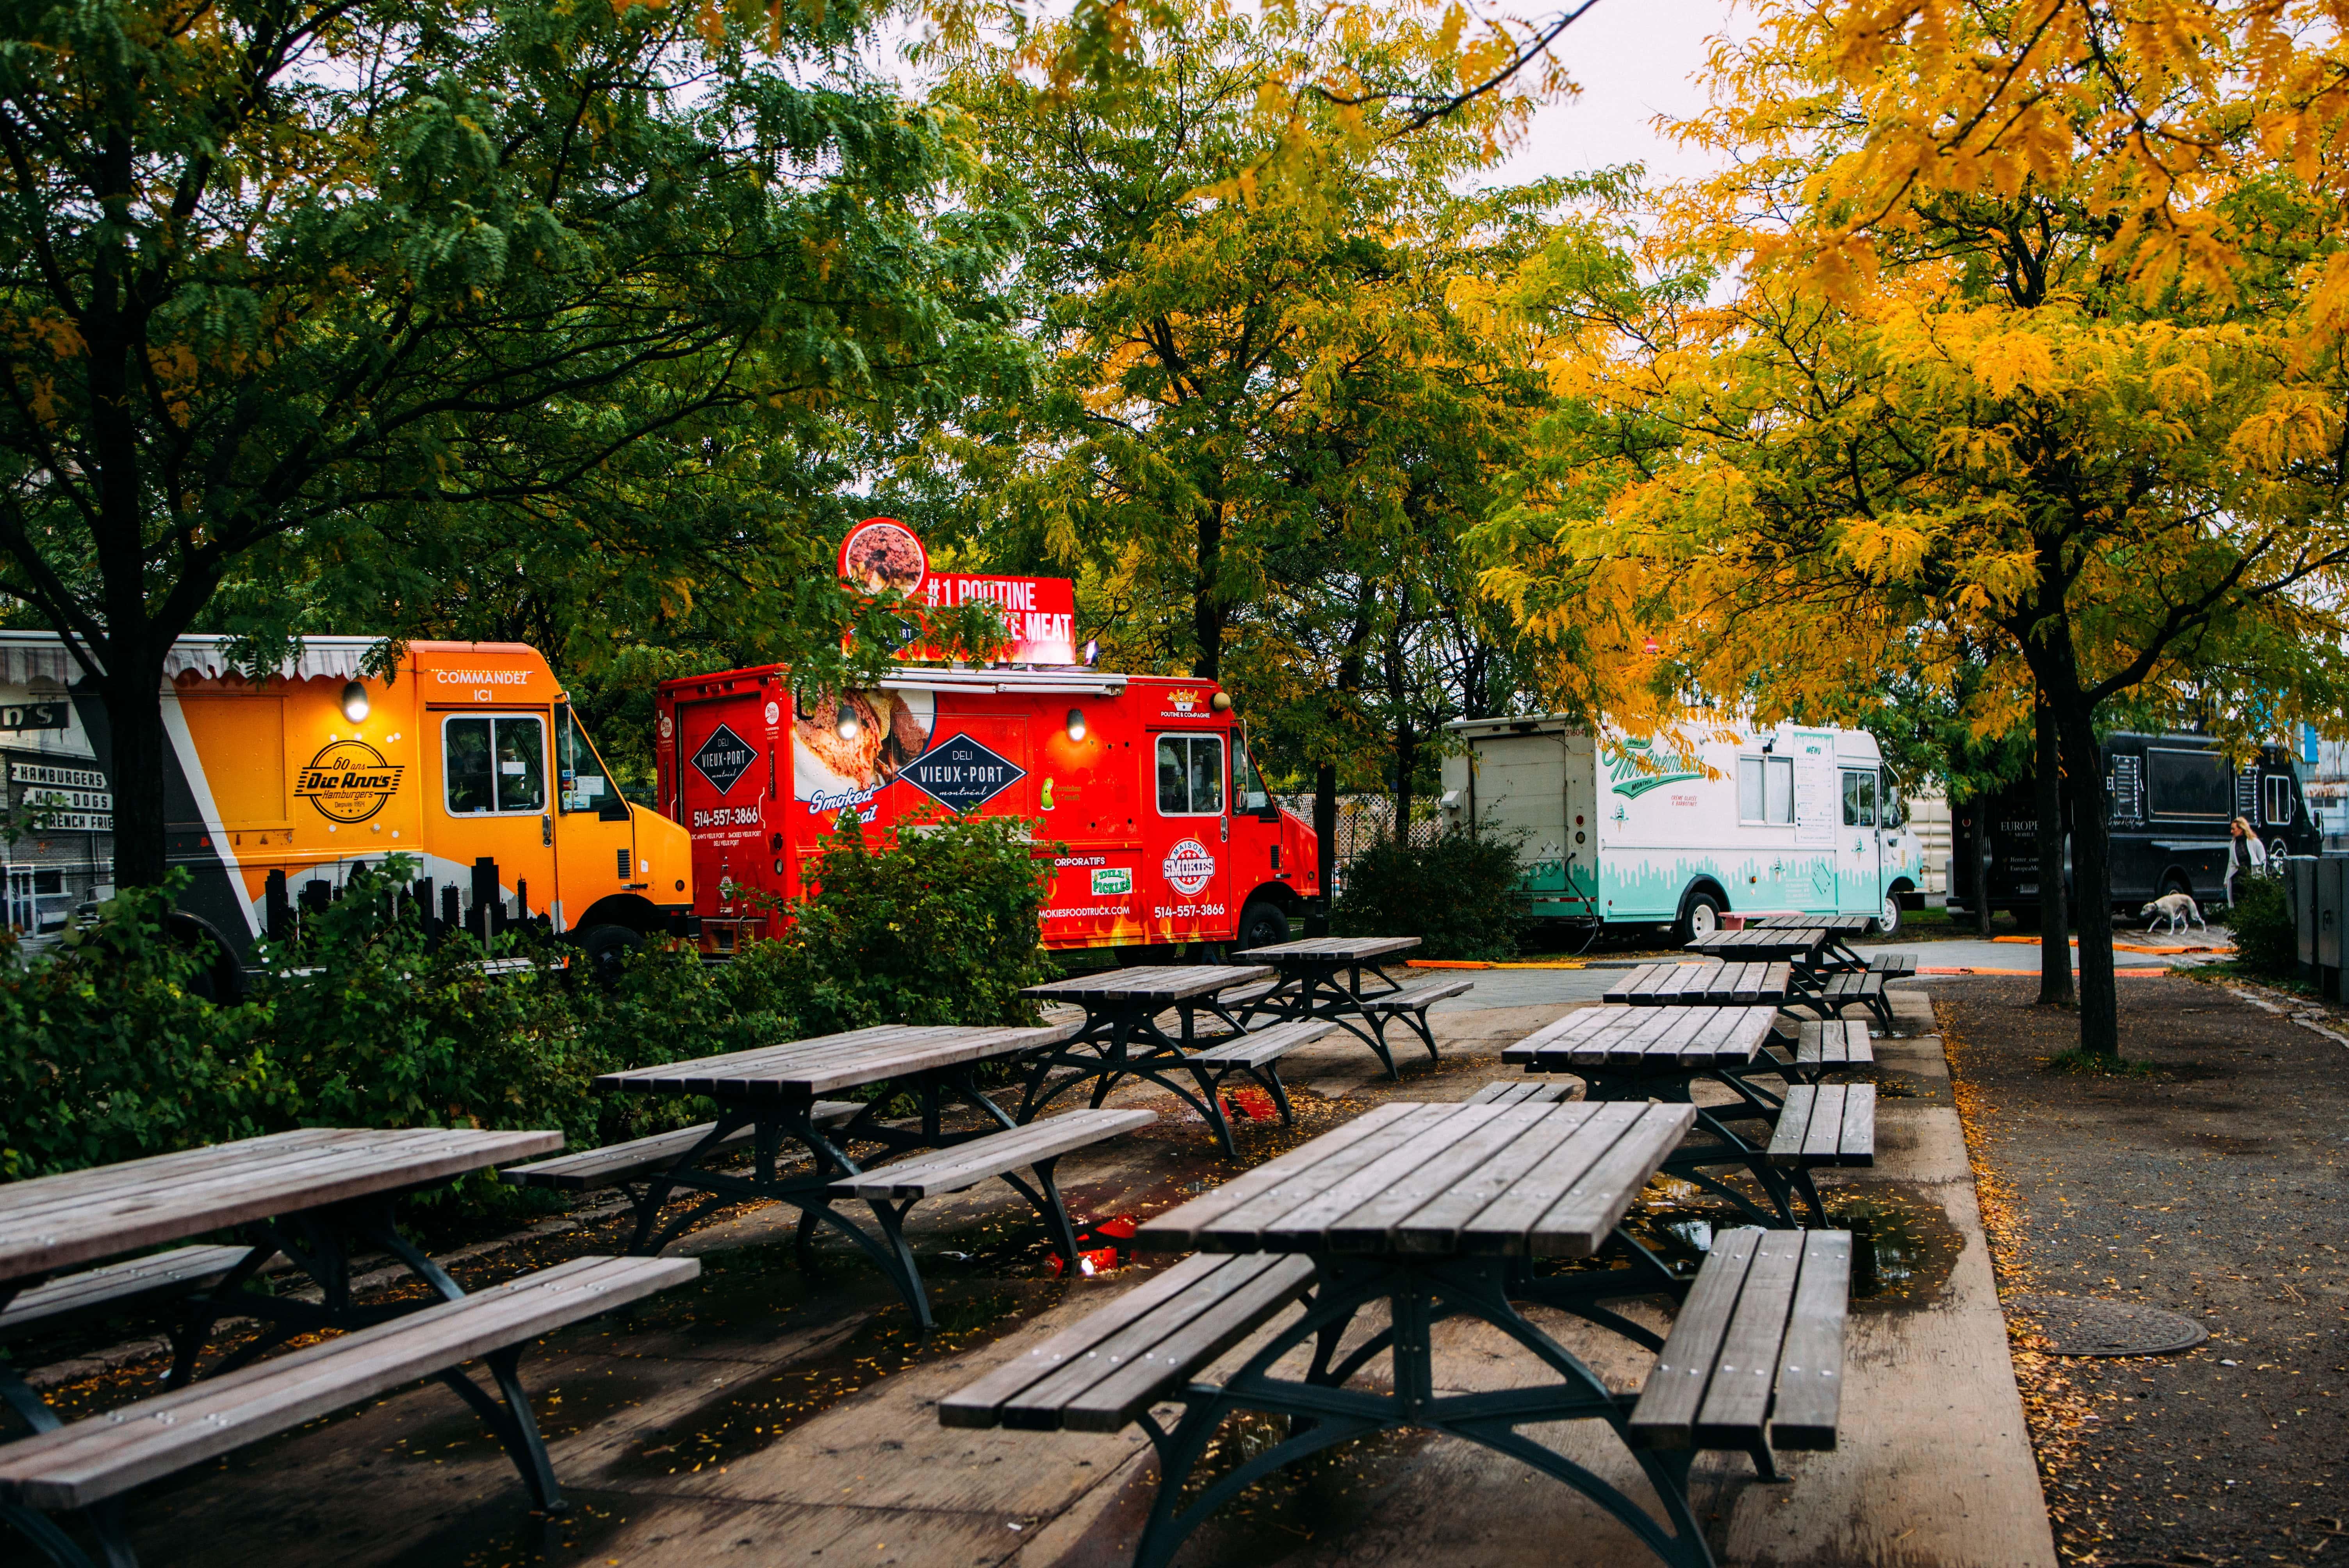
pixel 1364 821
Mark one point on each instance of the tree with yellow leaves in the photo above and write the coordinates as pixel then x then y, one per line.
pixel 1940 371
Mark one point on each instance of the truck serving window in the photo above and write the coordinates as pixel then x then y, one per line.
pixel 579 774
pixel 2189 784
pixel 1190 775
pixel 1765 789
pixel 494 765
pixel 1859 800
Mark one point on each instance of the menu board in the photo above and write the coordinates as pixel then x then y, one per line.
pixel 1816 798
pixel 2125 790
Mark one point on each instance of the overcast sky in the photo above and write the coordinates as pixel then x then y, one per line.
pixel 1635 59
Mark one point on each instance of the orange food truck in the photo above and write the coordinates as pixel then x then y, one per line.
pixel 471 762
pixel 1165 832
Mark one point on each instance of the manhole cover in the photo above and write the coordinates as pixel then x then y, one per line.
pixel 2075 1326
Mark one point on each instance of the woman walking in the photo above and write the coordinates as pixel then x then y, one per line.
pixel 2244 852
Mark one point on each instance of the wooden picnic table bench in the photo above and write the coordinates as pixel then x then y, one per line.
pixel 1838 953
pixel 1322 977
pixel 1635 1054
pixel 1121 1039
pixel 315 1195
pixel 1709 984
pixel 771 1096
pixel 1794 945
pixel 1414 1213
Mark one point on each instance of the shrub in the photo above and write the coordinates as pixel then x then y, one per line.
pixel 2261 920
pixel 1459 895
pixel 107 1053
pixel 942 929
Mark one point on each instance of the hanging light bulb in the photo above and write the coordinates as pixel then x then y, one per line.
pixel 355 702
pixel 1076 724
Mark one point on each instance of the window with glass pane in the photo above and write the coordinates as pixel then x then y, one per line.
pixel 494 765
pixel 579 774
pixel 1859 799
pixel 2279 801
pixel 1247 784
pixel 1778 790
pixel 1190 776
pixel 1749 789
pixel 1851 800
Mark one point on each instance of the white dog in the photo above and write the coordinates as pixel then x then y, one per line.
pixel 2177 908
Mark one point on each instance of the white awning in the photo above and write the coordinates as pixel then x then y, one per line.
pixel 29 656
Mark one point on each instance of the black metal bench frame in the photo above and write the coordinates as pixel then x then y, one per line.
pixel 1121 1040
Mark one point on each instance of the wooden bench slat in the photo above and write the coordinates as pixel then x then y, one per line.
pixel 1810 1372
pixel 1579 1223
pixel 1336 1199
pixel 1333 1154
pixel 617 1163
pixel 103 1456
pixel 1259 1046
pixel 1520 1091
pixel 120 1287
pixel 1826 1124
pixel 1834 1042
pixel 1825 1133
pixel 1856 1143
pixel 967 1164
pixel 1367 1227
pixel 1737 1398
pixel 1416 994
pixel 1565 1149
pixel 1665 1417
pixel 1114 1401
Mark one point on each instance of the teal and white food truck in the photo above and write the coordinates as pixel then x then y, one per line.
pixel 1620 830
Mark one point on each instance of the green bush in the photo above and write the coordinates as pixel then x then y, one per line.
pixel 1459 895
pixel 107 1054
pixel 2265 941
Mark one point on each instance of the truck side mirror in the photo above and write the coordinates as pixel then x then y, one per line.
pixel 611 809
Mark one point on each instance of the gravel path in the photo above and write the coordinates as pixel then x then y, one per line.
pixel 2210 1185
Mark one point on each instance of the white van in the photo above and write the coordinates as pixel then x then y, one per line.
pixel 1621 830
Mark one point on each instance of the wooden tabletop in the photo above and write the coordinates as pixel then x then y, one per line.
pixel 801 1069
pixel 1835 924
pixel 1164 984
pixel 53 1222
pixel 1436 1181
pixel 1664 1037
pixel 1343 949
pixel 1762 942
pixel 1671 984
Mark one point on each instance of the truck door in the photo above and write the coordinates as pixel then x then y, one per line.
pixel 595 840
pixel 728 773
pixel 1859 882
pixel 1187 860
pixel 491 770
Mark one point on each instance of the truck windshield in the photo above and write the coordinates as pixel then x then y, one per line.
pixel 580 773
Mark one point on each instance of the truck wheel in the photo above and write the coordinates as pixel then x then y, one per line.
pixel 1700 916
pixel 1263 924
pixel 605 950
pixel 1888 923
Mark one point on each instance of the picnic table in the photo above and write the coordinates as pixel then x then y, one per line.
pixel 1321 977
pixel 1794 945
pixel 1409 1215
pixel 1838 955
pixel 309 1194
pixel 1121 1037
pixel 770 1096
pixel 1710 983
pixel 1638 1054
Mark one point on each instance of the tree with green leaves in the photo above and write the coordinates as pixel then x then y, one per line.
pixel 359 308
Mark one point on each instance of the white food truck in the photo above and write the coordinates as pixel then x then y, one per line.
pixel 1620 830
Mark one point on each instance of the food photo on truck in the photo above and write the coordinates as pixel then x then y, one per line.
pixel 1165 834
pixel 466 759
pixel 1619 830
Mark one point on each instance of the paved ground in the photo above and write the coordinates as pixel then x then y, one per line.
pixel 2211 1186
pixel 760 1416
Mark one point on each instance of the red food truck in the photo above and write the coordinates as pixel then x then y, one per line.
pixel 1162 829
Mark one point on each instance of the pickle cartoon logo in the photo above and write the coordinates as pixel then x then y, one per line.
pixel 1189 867
pixel 348 781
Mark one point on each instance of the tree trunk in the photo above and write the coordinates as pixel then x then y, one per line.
pixel 1407 763
pixel 2092 881
pixel 1325 831
pixel 1207 599
pixel 139 751
pixel 2055 940
pixel 1978 848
